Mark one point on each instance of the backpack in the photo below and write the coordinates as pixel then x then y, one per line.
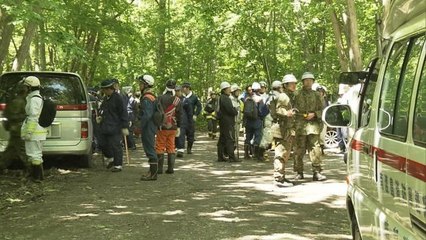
pixel 169 115
pixel 48 112
pixel 158 115
pixel 250 110
pixel 264 109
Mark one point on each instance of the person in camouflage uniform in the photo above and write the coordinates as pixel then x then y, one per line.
pixel 15 115
pixel 308 127
pixel 282 113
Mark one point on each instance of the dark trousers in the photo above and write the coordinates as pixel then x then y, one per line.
pixel 187 133
pixel 130 138
pixel 111 147
pixel 212 125
pixel 148 143
pixel 226 142
pixel 255 133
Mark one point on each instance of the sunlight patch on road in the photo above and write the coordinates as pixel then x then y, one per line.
pixel 176 212
pixel 219 213
pixel 120 207
pixel 329 236
pixel 76 216
pixel 88 205
pixel 180 200
pixel 201 196
pixel 119 213
pixel 313 192
pixel 236 219
pixel 274 236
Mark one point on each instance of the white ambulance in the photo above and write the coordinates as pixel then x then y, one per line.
pixel 386 197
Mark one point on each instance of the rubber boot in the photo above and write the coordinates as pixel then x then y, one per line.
pixel 189 148
pixel 171 157
pixel 246 151
pixel 260 154
pixel 318 177
pixel 256 152
pixel 37 173
pixel 152 174
pixel 160 163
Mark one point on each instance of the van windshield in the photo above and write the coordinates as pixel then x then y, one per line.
pixel 62 88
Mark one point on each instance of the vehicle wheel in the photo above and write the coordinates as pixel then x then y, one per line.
pixel 86 161
pixel 331 139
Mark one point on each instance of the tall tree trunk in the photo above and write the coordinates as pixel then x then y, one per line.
pixel 7 28
pixel 341 51
pixel 23 50
pixel 96 51
pixel 42 48
pixel 90 45
pixel 161 51
pixel 353 43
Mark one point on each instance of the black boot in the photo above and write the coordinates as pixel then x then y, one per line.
pixel 160 163
pixel 319 177
pixel 299 176
pixel 189 148
pixel 246 151
pixel 37 173
pixel 220 153
pixel 261 153
pixel 152 174
pixel 170 163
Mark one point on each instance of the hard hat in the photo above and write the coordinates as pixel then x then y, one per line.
pixel 276 84
pixel 263 84
pixel 289 78
pixel 32 81
pixel 224 85
pixel 255 86
pixel 316 86
pixel 171 84
pixel 308 75
pixel 235 87
pixel 107 83
pixel 148 79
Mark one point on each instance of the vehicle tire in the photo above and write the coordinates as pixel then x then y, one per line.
pixel 86 161
pixel 356 234
pixel 331 139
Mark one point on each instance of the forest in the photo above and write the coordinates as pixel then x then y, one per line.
pixel 200 41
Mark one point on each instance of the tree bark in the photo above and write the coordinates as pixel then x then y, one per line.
pixel 161 50
pixel 6 38
pixel 23 50
pixel 42 48
pixel 353 43
pixel 341 52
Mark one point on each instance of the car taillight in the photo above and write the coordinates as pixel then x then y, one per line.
pixel 84 130
pixel 71 107
pixel 2 106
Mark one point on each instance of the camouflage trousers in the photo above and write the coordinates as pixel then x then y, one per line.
pixel 282 154
pixel 311 143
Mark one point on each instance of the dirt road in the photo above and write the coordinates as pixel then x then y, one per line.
pixel 204 199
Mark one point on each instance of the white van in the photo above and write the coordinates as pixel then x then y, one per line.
pixel 386 197
pixel 71 131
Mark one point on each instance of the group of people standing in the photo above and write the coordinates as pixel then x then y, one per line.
pixel 166 122
pixel 295 124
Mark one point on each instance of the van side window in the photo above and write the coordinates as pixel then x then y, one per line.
pixel 397 87
pixel 368 93
pixel 419 126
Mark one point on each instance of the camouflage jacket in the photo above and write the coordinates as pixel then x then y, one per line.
pixel 308 101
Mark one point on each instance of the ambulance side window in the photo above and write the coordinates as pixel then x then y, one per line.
pixel 397 87
pixel 419 125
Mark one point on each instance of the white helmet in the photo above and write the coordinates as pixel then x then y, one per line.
pixel 235 87
pixel 32 81
pixel 289 78
pixel 308 75
pixel 315 86
pixel 148 79
pixel 224 85
pixel 263 84
pixel 276 84
pixel 255 86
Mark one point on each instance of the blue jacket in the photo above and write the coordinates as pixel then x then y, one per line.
pixel 147 111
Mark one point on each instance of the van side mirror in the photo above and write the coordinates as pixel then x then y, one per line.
pixel 337 115
pixel 352 78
